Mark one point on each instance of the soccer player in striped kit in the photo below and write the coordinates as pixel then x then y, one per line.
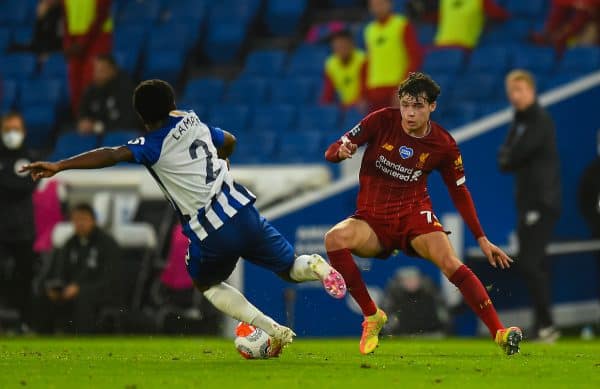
pixel 188 160
pixel 394 210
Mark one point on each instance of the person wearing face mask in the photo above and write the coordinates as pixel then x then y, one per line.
pixel 17 231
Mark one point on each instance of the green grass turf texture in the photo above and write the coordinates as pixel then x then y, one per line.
pixel 153 362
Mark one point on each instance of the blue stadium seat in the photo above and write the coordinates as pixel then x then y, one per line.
pixel 318 118
pixel 294 91
pixel 18 66
pixel 54 67
pixel 22 35
pixel 139 11
pixel 5 38
pixel 282 17
pixel 162 37
pixel 255 147
pixel 204 90
pixel 118 137
pixel 191 10
pixel 190 104
pixel 490 108
pixel 580 60
pixel 535 59
pixel 128 60
pixel 73 143
pixel 224 41
pixel 558 81
pixel 446 60
pixel 464 112
pixel 40 121
pixel 232 118
pixel 265 63
pixel 307 61
pixel 41 91
pixel 8 95
pixel 166 65
pixel 351 118
pixel 526 9
pixel 247 91
pixel 14 12
pixel 273 117
pixel 130 36
pixel 242 12
pixel 303 147
pixel 492 59
pixel 426 34
pixel 474 87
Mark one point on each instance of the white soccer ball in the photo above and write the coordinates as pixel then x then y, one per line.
pixel 253 343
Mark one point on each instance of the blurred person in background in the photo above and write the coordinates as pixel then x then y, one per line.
pixel 414 303
pixel 461 22
pixel 393 51
pixel 48 31
pixel 589 194
pixel 106 103
pixel 83 277
pixel 17 231
pixel 344 72
pixel 422 11
pixel 566 20
pixel 530 153
pixel 88 33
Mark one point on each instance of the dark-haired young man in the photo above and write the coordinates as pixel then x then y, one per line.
pixel 394 210
pixel 187 159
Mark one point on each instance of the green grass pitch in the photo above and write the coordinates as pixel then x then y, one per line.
pixel 159 362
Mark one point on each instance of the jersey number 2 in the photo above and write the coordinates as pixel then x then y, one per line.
pixel 210 173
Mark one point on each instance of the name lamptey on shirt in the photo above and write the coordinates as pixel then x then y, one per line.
pixel 395 167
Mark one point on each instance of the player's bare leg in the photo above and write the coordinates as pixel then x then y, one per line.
pixel 356 236
pixel 436 247
pixel 232 302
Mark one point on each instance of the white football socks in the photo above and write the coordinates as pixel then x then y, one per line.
pixel 309 268
pixel 230 301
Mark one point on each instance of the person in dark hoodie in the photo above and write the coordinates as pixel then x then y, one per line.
pixel 530 152
pixel 17 231
pixel 106 103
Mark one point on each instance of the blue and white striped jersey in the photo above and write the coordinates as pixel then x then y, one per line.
pixel 182 159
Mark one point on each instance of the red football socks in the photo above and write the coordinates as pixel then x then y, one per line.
pixel 476 297
pixel 343 262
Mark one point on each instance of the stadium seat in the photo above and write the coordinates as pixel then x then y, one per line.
pixel 294 91
pixel 232 118
pixel 282 17
pixel 464 112
pixel 5 38
pixel 54 67
pixel 73 143
pixel 255 147
pixel 580 60
pixel 130 36
pixel 8 95
pixel 166 65
pixel 40 120
pixel 307 61
pixel 18 66
pixel 41 91
pixel 242 12
pixel 22 35
pixel 426 34
pixel 247 91
pixel 273 117
pixel 190 104
pixel 303 147
pixel 161 37
pixel 558 81
pixel 318 118
pixel 118 137
pixel 14 12
pixel 204 90
pixel 128 60
pixel 265 63
pixel 526 9
pixel 476 87
pixel 445 60
pixel 535 59
pixel 490 59
pixel 191 10
pixel 224 41
pixel 139 11
pixel 350 120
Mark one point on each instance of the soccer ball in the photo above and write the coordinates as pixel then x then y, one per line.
pixel 253 343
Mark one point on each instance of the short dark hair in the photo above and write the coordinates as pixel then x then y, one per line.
pixel 343 33
pixel 153 100
pixel 84 207
pixel 11 115
pixel 418 84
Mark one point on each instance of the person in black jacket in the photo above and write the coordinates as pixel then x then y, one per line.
pixel 17 231
pixel 83 277
pixel 106 104
pixel 589 194
pixel 530 152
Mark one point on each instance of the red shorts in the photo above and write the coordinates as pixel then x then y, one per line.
pixel 398 233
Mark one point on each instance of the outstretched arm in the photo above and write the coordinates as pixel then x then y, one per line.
pixel 94 159
pixel 225 150
pixel 347 145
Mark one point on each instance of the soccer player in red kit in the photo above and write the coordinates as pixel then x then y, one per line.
pixel 394 210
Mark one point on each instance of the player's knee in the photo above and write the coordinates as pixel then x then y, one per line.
pixel 338 238
pixel 448 264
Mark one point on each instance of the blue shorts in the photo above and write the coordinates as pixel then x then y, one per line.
pixel 247 235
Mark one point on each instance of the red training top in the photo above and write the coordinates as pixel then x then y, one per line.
pixel 395 166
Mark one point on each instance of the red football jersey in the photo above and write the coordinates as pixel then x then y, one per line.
pixel 395 167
